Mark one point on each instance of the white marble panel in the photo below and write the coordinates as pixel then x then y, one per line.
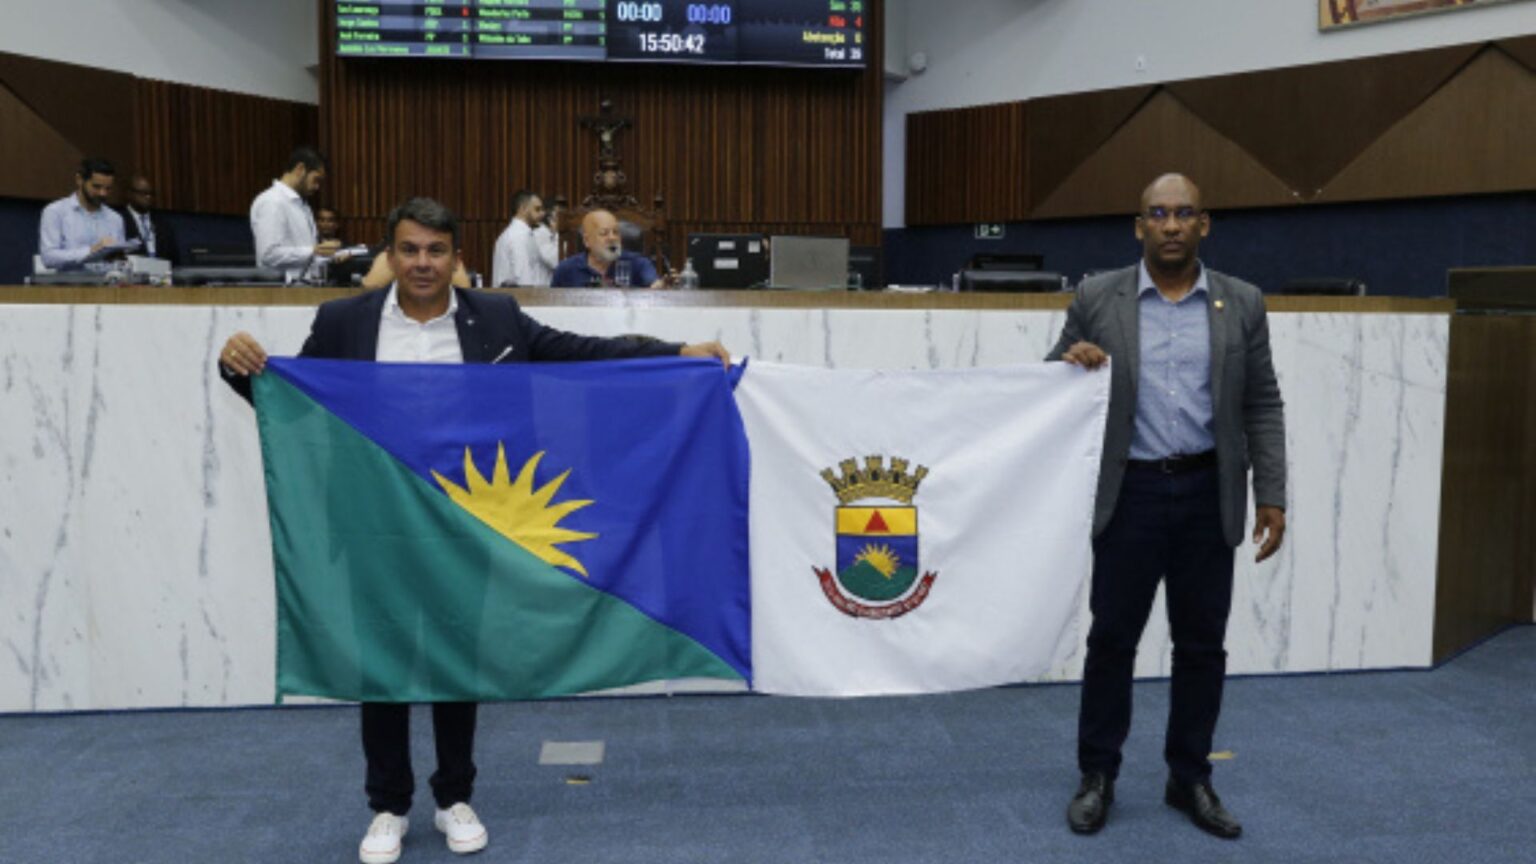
pixel 135 566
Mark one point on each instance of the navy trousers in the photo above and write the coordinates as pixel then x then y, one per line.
pixel 1166 527
pixel 387 747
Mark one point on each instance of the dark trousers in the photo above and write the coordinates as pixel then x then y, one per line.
pixel 387 747
pixel 1166 527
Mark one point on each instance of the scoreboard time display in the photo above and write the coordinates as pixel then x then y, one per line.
pixel 829 33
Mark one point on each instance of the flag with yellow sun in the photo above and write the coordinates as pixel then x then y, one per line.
pixel 471 532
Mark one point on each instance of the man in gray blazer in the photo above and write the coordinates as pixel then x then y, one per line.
pixel 1193 404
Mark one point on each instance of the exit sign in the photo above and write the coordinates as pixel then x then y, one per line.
pixel 989 231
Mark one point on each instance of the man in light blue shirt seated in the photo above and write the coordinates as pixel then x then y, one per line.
pixel 78 226
pixel 604 263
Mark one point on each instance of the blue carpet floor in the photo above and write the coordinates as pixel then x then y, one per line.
pixel 1431 766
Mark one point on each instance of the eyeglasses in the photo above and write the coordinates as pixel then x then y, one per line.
pixel 1185 215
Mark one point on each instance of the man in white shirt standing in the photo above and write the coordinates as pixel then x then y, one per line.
pixel 78 226
pixel 284 227
pixel 527 252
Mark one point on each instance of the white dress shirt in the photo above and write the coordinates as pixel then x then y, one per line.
pixel 403 339
pixel 524 255
pixel 67 232
pixel 285 231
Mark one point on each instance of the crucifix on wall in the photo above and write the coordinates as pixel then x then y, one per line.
pixel 610 189
pixel 610 185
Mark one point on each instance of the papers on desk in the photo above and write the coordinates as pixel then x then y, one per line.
pixel 350 252
pixel 111 249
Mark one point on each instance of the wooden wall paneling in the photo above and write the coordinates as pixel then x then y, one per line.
pixel 1063 131
pixel 206 150
pixel 90 108
pixel 1446 121
pixel 35 160
pixel 212 151
pixel 1488 495
pixel 1472 136
pixel 1522 49
pixel 724 146
pixel 967 165
pixel 1164 135
pixel 1305 123
pixel 924 171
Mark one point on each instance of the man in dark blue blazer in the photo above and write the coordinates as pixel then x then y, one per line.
pixel 422 318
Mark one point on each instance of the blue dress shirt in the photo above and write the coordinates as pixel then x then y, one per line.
pixel 1173 396
pixel 577 272
pixel 68 231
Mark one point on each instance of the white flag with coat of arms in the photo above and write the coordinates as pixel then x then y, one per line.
pixel 917 531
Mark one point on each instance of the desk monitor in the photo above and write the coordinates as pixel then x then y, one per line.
pixel 865 261
pixel 729 260
pixel 809 263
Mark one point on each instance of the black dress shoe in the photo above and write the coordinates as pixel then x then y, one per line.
pixel 1204 808
pixel 1090 806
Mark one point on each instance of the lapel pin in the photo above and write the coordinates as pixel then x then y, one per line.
pixel 1220 305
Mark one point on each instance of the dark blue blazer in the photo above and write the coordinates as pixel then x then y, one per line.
pixel 492 327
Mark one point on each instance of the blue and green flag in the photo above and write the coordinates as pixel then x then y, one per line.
pixel 473 532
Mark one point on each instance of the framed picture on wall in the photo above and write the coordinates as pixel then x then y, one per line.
pixel 1332 14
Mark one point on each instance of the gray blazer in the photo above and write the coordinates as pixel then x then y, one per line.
pixel 1248 414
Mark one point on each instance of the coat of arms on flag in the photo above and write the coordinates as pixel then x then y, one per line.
pixel 877 557
pixel 974 499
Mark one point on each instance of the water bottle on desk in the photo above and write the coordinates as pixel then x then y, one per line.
pixel 688 280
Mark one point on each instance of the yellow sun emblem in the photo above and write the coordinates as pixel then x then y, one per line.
pixel 516 510
pixel 879 557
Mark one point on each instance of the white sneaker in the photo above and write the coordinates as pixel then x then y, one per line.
pixel 382 843
pixel 465 833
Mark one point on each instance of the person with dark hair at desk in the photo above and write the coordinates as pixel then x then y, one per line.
pixel 282 223
pixel 78 226
pixel 328 224
pixel 605 264
pixel 146 224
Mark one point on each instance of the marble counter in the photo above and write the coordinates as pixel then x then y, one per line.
pixel 136 572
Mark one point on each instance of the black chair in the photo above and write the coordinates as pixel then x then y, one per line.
pixel 1018 281
pixel 1010 261
pixel 632 237
pixel 220 275
pixel 1325 287
pixel 221 256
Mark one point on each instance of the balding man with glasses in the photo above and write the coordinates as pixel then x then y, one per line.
pixel 1193 403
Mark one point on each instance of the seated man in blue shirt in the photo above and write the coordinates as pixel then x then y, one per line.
pixel 76 227
pixel 596 267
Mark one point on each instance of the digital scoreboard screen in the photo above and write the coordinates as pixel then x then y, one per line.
pixel 763 32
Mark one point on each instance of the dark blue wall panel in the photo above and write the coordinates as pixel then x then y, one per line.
pixel 1397 247
pixel 18 238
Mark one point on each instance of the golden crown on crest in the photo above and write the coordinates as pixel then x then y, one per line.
pixel 874 480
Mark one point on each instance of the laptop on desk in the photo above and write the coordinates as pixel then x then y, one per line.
pixel 808 263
